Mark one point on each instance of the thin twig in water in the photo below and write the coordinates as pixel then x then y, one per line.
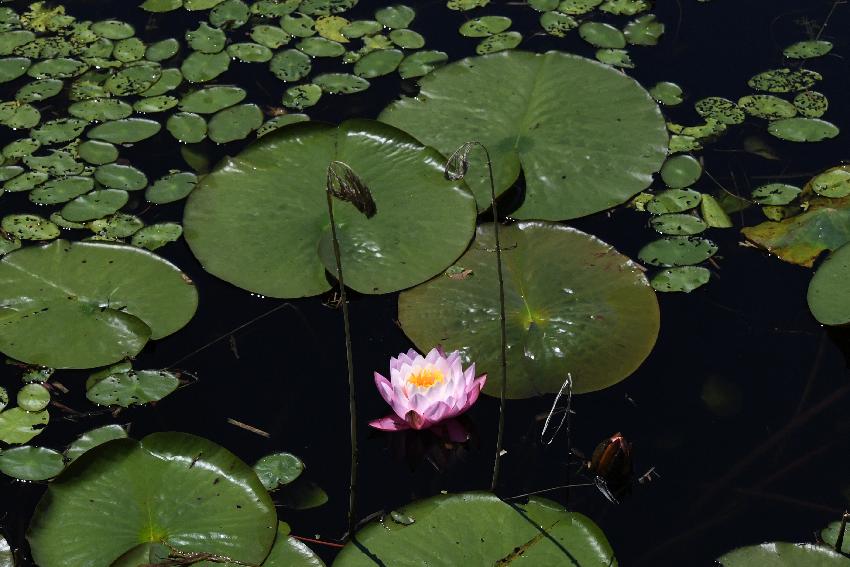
pixel 552 489
pixel 318 541
pixel 246 427
pixel 456 168
pixel 228 334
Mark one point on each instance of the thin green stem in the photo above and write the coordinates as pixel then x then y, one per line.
pixel 503 353
pixel 352 408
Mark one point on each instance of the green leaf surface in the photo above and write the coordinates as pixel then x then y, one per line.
pixel 591 314
pixel 828 295
pixel 783 554
pixel 31 463
pixel 476 528
pixel 174 488
pixel 87 304
pixel 593 146
pixel 19 426
pixel 284 250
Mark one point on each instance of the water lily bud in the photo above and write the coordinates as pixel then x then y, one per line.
pixel 346 186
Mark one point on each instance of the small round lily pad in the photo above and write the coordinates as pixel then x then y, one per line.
pixel 234 123
pixel 807 49
pixel 678 224
pixel 33 397
pixel 187 127
pixel 811 104
pixel 682 279
pixel 290 65
pixel 834 183
pixel 95 205
pixel 681 171
pixel 31 463
pixel 674 201
pixel 171 187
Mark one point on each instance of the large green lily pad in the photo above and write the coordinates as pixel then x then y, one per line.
pixel 88 304
pixel 586 136
pixel 825 225
pixel 171 488
pixel 573 305
pixel 829 296
pixel 476 528
pixel 783 554
pixel 272 235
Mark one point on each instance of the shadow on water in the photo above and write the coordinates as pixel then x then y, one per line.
pixel 741 408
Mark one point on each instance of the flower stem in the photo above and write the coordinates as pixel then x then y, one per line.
pixel 503 353
pixel 352 408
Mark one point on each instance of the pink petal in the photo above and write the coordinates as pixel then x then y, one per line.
pixel 474 392
pixel 437 412
pixel 384 388
pixel 390 423
pixel 439 348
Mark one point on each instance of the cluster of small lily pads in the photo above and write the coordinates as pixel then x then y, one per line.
pixel 674 209
pixel 559 17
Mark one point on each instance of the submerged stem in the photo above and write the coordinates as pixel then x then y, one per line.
pixel 352 408
pixel 503 332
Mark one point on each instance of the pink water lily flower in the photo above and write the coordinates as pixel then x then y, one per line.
pixel 427 390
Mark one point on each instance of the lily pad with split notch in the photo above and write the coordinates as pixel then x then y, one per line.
pixel 556 24
pixel 155 236
pixel 171 187
pixel 645 30
pixel 162 50
pixel 834 183
pixel 38 90
pixel 58 131
pixel 203 67
pixel 134 79
pixel 19 116
pixel 384 253
pixel 578 7
pixel 602 35
pixel 421 63
pixel 591 314
pixel 100 109
pixel 234 123
pixel 298 25
pixel 87 304
pixel 171 488
pixel 397 16
pixel 272 37
pixel 666 93
pixel 615 58
pixel 476 528
pixel 320 47
pixel 278 469
pixel 115 227
pixel 625 140
pixel 206 39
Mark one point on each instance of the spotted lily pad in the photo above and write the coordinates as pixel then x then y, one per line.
pixel 484 26
pixel 674 201
pixel 477 528
pixel 677 251
pixel 807 49
pixel 157 235
pixel 622 133
pixel 85 304
pixel 680 279
pixel 775 194
pixel 124 386
pixel 811 104
pixel 833 183
pixel 498 42
pixel 784 80
pixel 767 106
pixel 591 314
pixel 29 227
pixel 386 252
pixel 678 224
pixel 174 488
pixel 340 83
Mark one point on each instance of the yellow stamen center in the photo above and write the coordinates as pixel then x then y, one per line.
pixel 425 377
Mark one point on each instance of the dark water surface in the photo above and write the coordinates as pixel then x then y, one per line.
pixel 771 465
